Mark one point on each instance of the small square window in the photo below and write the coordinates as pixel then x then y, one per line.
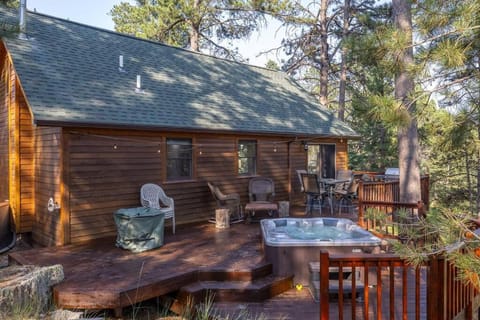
pixel 179 159
pixel 247 157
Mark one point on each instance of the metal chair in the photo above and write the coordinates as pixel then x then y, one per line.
pixel 346 197
pixel 314 190
pixel 153 196
pixel 228 201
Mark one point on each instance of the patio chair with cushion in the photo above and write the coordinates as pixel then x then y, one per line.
pixel 226 201
pixel 261 194
pixel 153 196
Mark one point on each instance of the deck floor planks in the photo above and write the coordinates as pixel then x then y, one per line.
pixel 100 275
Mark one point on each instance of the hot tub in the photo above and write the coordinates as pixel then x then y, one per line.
pixel 291 243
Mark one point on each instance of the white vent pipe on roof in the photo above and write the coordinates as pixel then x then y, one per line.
pixel 22 20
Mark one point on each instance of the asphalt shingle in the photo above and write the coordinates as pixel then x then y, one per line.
pixel 70 74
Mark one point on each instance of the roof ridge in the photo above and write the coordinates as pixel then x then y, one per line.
pixel 153 42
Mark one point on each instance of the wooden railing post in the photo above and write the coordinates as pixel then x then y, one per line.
pixel 324 275
pixel 435 289
pixel 361 221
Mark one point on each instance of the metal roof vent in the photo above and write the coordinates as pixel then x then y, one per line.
pixel 22 20
pixel 120 64
pixel 138 88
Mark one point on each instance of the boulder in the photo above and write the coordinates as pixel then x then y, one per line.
pixel 25 288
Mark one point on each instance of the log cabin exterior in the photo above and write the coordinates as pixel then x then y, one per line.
pixel 74 128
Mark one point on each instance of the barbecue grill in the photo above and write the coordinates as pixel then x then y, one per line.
pixel 391 174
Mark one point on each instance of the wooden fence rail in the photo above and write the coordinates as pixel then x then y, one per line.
pixel 393 289
pixel 384 196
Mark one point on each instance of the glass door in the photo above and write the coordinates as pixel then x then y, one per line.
pixel 321 160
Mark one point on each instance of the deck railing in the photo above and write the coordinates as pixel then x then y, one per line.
pixel 384 196
pixel 393 289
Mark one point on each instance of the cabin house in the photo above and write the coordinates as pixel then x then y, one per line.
pixel 89 115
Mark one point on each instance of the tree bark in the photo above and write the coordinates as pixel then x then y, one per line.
pixel 343 66
pixel 324 61
pixel 478 170
pixel 195 31
pixel 408 147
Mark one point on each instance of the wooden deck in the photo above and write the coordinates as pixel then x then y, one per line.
pixel 99 275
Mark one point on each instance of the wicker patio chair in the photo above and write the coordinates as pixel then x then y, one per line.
pixel 230 201
pixel 261 194
pixel 153 196
pixel 261 189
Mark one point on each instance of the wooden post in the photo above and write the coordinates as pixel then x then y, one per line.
pixel 324 275
pixel 361 221
pixel 435 289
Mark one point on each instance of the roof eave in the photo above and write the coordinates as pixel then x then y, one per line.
pixel 70 124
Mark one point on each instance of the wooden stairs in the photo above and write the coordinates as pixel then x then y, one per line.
pixel 254 285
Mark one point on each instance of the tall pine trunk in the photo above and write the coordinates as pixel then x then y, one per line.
pixel 478 169
pixel 408 147
pixel 195 30
pixel 343 66
pixel 324 60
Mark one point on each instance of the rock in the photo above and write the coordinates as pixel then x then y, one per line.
pixel 28 288
pixel 65 315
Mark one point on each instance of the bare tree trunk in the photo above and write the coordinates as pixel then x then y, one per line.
pixel 469 180
pixel 408 146
pixel 195 31
pixel 324 60
pixel 343 66
pixel 478 170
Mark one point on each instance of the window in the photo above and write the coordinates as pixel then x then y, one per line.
pixel 179 159
pixel 247 157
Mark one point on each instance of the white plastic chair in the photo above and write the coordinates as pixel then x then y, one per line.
pixel 153 196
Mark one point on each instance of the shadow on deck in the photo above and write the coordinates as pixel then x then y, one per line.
pixel 98 275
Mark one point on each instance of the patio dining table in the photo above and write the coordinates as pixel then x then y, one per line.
pixel 330 184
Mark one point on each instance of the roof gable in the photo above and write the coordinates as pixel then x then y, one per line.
pixel 70 74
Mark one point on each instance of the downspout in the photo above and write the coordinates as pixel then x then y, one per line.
pixel 22 20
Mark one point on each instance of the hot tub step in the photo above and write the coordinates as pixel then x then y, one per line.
pixel 334 283
pixel 237 291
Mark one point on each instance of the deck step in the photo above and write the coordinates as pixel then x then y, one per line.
pixel 236 291
pixel 236 275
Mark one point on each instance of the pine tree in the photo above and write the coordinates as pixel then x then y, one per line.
pixel 209 26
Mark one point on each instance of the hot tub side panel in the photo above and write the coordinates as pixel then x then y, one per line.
pixel 294 260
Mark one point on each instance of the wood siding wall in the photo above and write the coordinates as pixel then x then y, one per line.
pixel 48 227
pixel 27 166
pixel 17 145
pixel 104 170
pixel 3 124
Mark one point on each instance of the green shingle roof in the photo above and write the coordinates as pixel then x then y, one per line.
pixel 70 75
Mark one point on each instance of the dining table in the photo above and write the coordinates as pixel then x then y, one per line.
pixel 330 184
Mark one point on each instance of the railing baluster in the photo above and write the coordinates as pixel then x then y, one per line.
pixel 379 291
pixel 365 291
pixel 417 293
pixel 392 289
pixel 340 291
pixel 354 292
pixel 404 292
